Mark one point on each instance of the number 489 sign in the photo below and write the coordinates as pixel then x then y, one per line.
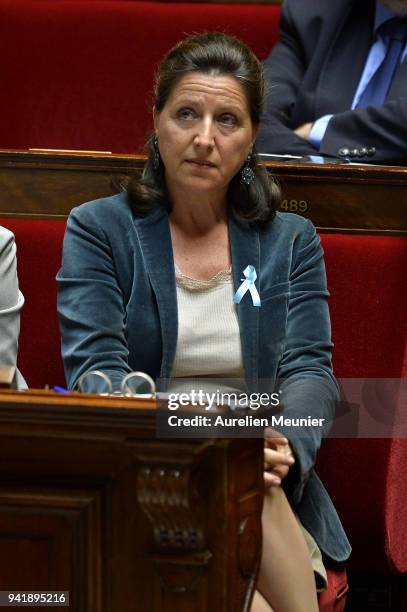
pixel 294 206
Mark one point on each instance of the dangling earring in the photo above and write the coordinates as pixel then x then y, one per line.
pixel 247 173
pixel 156 153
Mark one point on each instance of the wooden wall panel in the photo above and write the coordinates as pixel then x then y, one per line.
pixel 334 196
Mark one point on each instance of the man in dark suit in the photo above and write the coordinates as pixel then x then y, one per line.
pixel 334 90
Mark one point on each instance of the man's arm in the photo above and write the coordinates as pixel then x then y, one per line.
pixel 382 127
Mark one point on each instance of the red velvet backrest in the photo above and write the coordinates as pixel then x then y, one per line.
pixel 39 249
pixel 366 477
pixel 368 304
pixel 78 74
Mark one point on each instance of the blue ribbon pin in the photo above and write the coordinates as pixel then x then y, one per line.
pixel 248 285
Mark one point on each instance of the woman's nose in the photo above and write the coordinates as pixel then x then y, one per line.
pixel 205 134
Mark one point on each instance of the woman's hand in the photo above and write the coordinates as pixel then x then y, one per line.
pixel 278 458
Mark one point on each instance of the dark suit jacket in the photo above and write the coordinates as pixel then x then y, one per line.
pixel 315 69
pixel 117 305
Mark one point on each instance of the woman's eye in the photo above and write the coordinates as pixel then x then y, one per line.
pixel 228 119
pixel 185 113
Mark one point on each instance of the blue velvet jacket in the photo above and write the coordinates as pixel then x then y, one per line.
pixel 117 306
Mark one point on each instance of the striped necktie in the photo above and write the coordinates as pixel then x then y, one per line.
pixel 394 33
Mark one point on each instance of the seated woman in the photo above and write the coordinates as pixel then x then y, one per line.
pixel 11 302
pixel 150 277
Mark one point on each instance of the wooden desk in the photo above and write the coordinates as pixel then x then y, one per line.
pixel 92 502
pixel 335 197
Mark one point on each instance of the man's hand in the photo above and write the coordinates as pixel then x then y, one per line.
pixel 278 458
pixel 304 130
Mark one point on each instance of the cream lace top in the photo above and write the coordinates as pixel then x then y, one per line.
pixel 208 330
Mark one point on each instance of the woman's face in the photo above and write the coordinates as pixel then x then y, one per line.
pixel 205 133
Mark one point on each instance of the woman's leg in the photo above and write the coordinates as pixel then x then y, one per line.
pixel 286 579
pixel 259 604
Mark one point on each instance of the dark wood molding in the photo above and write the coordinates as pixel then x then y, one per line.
pixel 335 197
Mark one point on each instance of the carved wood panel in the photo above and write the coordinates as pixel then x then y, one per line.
pixel 91 501
pixel 51 540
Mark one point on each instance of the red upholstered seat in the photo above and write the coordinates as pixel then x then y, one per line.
pixel 366 477
pixel 333 599
pixel 39 248
pixel 366 279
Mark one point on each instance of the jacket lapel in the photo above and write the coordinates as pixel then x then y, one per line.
pixel 155 239
pixel 245 249
pixel 352 38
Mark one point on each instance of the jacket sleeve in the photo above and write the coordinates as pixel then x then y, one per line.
pixel 91 306
pixel 11 300
pixel 284 71
pixel 383 127
pixel 306 382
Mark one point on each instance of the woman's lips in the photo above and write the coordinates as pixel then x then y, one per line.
pixel 201 163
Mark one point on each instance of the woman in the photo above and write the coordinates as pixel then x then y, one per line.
pixel 11 302
pixel 149 278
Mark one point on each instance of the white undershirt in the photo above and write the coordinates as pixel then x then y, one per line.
pixel 208 330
